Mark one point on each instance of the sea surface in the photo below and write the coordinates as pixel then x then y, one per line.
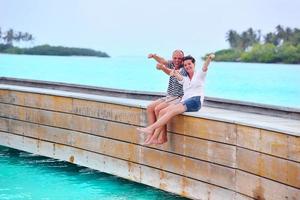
pixel 28 176
pixel 25 176
pixel 273 84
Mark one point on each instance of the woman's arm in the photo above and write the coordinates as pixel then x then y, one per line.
pixel 158 59
pixel 207 61
pixel 176 74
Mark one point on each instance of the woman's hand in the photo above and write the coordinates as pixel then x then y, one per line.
pixel 172 73
pixel 211 56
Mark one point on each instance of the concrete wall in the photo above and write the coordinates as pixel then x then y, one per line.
pixel 204 158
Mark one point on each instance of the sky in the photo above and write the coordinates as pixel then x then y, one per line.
pixel 139 27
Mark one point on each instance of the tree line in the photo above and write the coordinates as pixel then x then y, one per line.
pixel 10 36
pixel 280 46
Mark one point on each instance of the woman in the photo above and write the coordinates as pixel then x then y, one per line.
pixel 193 88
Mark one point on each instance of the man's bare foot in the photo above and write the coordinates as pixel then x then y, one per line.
pixel 162 141
pixel 144 130
pixel 162 138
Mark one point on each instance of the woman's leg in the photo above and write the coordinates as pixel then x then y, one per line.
pixel 154 137
pixel 172 111
pixel 160 107
pixel 161 134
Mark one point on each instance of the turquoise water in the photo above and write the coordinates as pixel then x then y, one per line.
pixel 274 84
pixel 25 176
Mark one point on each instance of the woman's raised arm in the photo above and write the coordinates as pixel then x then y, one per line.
pixel 209 58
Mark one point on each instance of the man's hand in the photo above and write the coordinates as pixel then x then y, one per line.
pixel 151 55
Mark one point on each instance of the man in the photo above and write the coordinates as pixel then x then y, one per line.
pixel 174 92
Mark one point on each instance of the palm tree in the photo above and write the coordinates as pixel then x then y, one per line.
pixel 288 34
pixel 233 38
pixel 245 40
pixel 281 35
pixel 295 38
pixel 254 36
pixel 272 38
pixel 9 37
pixel 18 37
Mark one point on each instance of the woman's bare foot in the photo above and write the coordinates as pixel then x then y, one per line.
pixel 151 141
pixel 148 138
pixel 144 130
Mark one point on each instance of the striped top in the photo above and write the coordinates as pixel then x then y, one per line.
pixel 175 88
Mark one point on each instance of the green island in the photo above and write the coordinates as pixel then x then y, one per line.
pixel 8 37
pixel 281 46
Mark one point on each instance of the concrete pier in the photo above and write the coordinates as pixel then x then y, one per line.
pixel 213 154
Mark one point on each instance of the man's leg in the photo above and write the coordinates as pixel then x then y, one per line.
pixel 163 137
pixel 157 109
pixel 172 111
pixel 151 111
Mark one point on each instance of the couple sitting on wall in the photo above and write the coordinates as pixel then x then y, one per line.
pixel 185 94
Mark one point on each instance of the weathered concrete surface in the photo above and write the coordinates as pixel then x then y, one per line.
pixel 209 155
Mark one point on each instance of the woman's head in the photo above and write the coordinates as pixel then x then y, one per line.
pixel 189 63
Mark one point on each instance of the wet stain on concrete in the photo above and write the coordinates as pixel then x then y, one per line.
pixel 71 159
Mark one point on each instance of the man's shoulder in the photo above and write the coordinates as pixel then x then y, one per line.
pixel 182 71
pixel 170 64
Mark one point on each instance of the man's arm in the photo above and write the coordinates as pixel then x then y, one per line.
pixel 207 61
pixel 158 59
pixel 163 68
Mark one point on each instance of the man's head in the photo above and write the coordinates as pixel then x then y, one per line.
pixel 177 57
pixel 189 64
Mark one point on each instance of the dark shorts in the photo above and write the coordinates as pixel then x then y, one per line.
pixel 192 104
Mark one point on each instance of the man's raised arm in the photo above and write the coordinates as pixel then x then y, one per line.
pixel 158 59
pixel 163 68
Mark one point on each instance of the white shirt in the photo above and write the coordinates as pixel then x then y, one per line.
pixel 194 87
